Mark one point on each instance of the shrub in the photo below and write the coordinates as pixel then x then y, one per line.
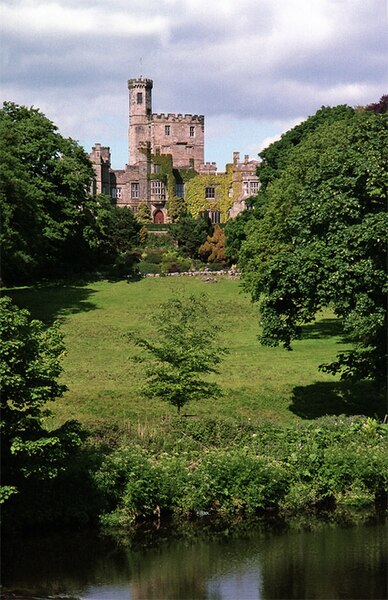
pixel 236 481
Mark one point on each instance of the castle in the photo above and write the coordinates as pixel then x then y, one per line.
pixel 166 165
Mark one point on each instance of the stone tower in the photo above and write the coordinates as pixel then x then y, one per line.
pixel 140 113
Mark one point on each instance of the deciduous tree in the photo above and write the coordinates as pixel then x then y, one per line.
pixel 322 241
pixel 44 186
pixel 186 351
pixel 30 357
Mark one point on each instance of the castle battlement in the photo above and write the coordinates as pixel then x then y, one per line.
pixel 180 118
pixel 148 83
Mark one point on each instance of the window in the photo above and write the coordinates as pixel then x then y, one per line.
pixel 210 192
pixel 250 188
pixel 135 190
pixel 116 193
pixel 180 190
pixel 139 98
pixel 167 129
pixel 215 217
pixel 157 187
pixel 156 168
pixel 254 188
pixel 192 131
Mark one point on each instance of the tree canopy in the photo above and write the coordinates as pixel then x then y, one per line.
pixel 322 239
pixel 44 186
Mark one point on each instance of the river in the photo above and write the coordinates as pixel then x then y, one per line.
pixel 258 559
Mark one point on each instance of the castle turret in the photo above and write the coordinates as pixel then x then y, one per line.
pixel 140 111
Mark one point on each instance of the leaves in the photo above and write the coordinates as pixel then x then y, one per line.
pixel 322 240
pixel 186 349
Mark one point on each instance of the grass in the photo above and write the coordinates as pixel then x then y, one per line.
pixel 259 383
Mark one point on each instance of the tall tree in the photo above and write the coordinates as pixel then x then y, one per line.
pixel 322 241
pixel 44 186
pixel 185 351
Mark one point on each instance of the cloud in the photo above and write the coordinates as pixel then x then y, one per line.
pixel 254 61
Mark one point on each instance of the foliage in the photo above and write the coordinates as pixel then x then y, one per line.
pixel 185 352
pixel 143 214
pixel 190 233
pixel 275 157
pixel 195 194
pixel 44 189
pixel 235 229
pixel 173 262
pixel 235 234
pixel 322 242
pixel 30 365
pixel 222 467
pixel 213 249
pixel 380 107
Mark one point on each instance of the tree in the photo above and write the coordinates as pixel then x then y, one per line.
pixel 44 187
pixel 276 155
pixel 190 233
pixel 322 242
pixel 29 369
pixel 213 249
pixel 186 350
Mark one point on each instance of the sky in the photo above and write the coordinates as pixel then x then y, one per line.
pixel 254 68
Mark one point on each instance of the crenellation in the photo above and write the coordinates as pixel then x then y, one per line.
pixel 180 136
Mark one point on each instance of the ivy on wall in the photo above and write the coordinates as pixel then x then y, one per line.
pixel 195 200
pixel 195 193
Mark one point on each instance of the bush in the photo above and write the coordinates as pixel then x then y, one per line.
pixel 237 481
pixel 173 262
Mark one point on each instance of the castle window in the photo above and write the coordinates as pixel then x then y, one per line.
pixel 157 187
pixel 135 190
pixel 215 217
pixel 116 193
pixel 192 131
pixel 210 193
pixel 180 190
pixel 139 98
pixel 156 168
pixel 250 188
pixel 167 129
pixel 245 188
pixel 254 188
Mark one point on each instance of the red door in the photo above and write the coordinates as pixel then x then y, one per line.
pixel 159 217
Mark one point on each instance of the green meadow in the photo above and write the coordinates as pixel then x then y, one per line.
pixel 259 383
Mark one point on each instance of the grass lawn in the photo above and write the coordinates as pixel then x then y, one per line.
pixel 259 383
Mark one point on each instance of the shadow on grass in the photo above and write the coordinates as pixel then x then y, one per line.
pixel 322 329
pixel 53 301
pixel 338 398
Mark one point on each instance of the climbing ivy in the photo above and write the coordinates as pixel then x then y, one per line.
pixel 195 193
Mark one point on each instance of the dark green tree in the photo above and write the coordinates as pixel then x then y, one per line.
pixel 30 357
pixel 275 157
pixel 186 351
pixel 44 187
pixel 322 241
pixel 190 233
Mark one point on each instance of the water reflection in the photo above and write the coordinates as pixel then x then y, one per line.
pixel 258 562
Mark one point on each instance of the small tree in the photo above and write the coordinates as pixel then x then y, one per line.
pixel 213 249
pixel 185 351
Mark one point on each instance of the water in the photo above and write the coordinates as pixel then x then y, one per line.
pixel 255 561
